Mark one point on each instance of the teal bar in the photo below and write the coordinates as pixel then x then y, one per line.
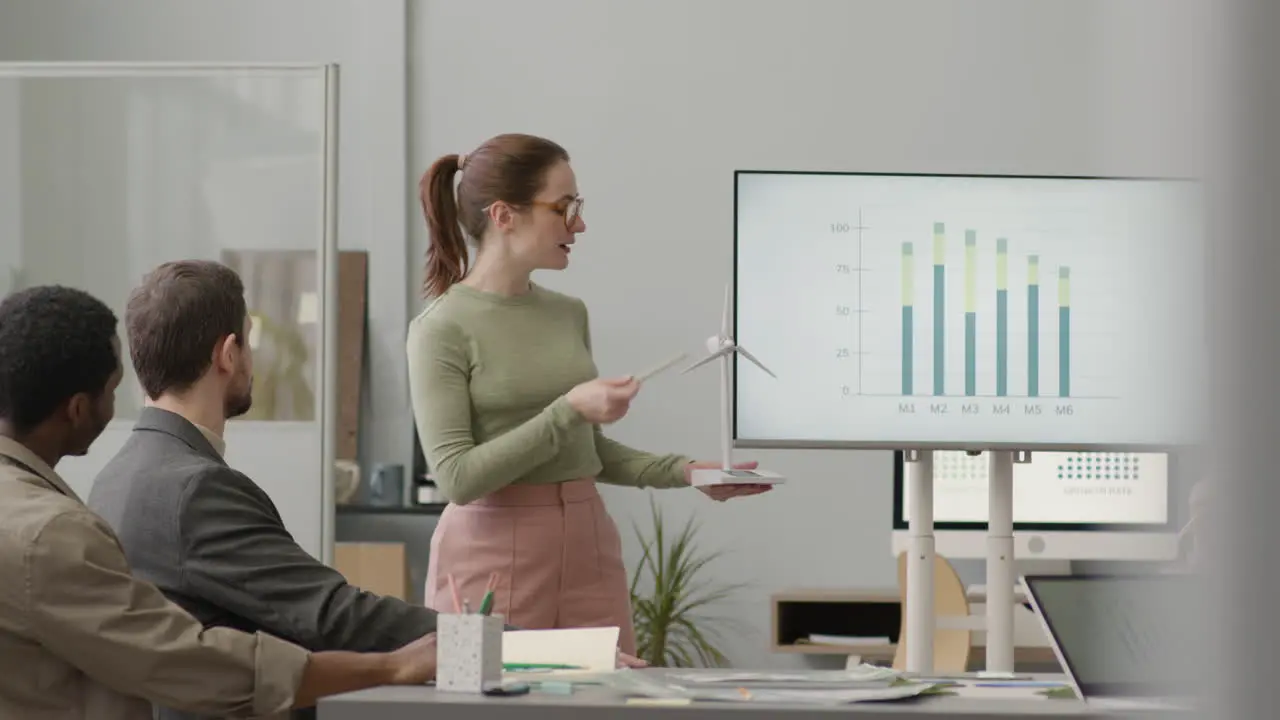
pixel 907 349
pixel 1064 351
pixel 1002 342
pixel 970 353
pixel 939 328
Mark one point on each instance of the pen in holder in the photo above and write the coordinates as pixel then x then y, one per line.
pixel 469 652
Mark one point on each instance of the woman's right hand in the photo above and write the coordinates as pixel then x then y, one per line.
pixel 604 400
pixel 415 663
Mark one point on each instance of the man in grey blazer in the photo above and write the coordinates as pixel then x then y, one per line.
pixel 206 534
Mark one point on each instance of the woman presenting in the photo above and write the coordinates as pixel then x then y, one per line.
pixel 508 402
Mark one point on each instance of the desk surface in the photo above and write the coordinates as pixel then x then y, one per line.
pixel 588 702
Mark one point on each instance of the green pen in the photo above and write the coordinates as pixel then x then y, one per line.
pixel 539 666
pixel 486 603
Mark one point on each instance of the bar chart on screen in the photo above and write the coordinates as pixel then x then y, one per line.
pixel 1027 320
pixel 964 309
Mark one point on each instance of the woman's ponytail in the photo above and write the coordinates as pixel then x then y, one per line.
pixel 447 257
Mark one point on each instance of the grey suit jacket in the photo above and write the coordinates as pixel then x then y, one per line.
pixel 213 542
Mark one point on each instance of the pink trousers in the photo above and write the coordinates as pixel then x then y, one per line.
pixel 555 549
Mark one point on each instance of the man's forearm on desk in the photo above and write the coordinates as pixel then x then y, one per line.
pixel 337 672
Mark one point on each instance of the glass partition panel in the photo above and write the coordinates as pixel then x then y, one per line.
pixel 106 171
pixel 104 176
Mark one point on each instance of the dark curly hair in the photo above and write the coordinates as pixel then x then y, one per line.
pixel 55 342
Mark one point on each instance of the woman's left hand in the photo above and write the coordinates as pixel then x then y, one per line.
pixel 720 493
pixel 630 661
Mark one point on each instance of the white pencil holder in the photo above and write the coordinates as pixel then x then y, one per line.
pixel 468 652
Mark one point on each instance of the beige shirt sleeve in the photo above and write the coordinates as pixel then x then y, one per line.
pixel 85 605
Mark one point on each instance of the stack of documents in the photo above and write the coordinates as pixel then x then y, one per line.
pixel 590 655
pixel 861 676
pixel 862 684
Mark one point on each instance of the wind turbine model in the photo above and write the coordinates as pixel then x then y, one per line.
pixel 722 347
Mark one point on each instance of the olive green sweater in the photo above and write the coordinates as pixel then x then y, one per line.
pixel 488 375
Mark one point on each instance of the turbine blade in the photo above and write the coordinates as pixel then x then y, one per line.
pixel 713 356
pixel 743 352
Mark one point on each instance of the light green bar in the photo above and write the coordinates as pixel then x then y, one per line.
pixel 939 244
pixel 908 274
pixel 970 271
pixel 1033 269
pixel 1002 264
pixel 1064 287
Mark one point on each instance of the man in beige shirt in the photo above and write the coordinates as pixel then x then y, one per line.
pixel 80 637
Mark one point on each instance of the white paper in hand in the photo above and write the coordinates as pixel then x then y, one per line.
pixel 592 649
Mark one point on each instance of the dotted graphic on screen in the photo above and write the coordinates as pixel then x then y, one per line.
pixel 1100 466
pixel 960 466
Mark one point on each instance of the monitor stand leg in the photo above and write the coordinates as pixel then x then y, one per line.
pixel 920 554
pixel 1001 582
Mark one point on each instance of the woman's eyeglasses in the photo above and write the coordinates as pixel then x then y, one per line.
pixel 571 210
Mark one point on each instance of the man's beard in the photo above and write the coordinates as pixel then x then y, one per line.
pixel 91 434
pixel 239 403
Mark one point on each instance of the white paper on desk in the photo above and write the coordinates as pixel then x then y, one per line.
pixel 592 649
pixel 860 674
pixel 815 696
pixel 631 682
pixel 1014 692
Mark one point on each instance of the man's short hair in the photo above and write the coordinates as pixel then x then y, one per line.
pixel 55 342
pixel 176 317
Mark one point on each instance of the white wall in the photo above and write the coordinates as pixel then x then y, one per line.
pixel 659 101
pixel 368 40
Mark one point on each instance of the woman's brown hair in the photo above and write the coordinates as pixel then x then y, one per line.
pixel 509 168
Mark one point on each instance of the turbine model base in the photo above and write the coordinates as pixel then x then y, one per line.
pixel 702 477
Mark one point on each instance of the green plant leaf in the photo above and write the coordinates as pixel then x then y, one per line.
pixel 670 597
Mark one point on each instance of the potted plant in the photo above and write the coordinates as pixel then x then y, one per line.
pixel 668 611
